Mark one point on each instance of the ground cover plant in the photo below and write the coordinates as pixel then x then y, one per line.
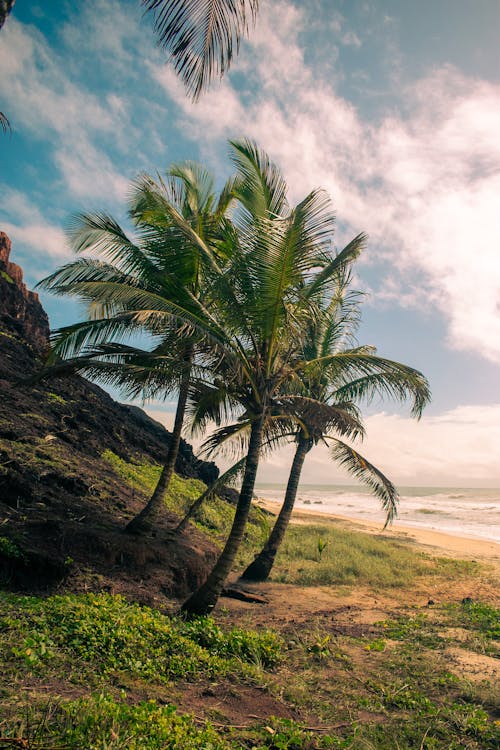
pixel 96 671
pixel 350 557
pixel 214 517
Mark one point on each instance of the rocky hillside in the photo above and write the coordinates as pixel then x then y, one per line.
pixel 62 504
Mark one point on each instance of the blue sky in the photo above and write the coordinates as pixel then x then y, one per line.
pixel 393 107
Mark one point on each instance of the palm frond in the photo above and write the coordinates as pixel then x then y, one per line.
pixel 261 189
pixel 386 378
pixel 359 467
pixel 4 123
pixel 230 440
pixel 316 417
pixel 201 36
pixel 347 256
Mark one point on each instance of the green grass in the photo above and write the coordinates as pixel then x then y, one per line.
pixel 402 686
pixel 214 518
pixel 55 398
pixel 101 722
pixel 101 642
pixel 391 690
pixel 350 557
pixel 95 636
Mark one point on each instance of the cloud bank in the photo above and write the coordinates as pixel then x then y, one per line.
pixel 423 181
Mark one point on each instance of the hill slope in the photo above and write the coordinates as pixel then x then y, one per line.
pixel 63 505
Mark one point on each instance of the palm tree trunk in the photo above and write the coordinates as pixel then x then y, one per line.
pixel 192 510
pixel 260 568
pixel 205 598
pixel 5 8
pixel 145 520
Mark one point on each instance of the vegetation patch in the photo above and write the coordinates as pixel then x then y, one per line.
pixel 103 722
pixel 215 516
pixel 55 398
pixel 105 635
pixel 5 275
pixel 393 689
pixel 326 554
pixel 9 549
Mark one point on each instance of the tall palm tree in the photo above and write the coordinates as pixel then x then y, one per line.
pixel 333 373
pixel 276 252
pixel 201 36
pixel 157 287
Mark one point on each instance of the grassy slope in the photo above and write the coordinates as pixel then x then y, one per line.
pixel 97 672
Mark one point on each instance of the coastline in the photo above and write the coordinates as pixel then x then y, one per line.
pixel 441 544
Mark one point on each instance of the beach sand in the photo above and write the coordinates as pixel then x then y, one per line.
pixel 360 604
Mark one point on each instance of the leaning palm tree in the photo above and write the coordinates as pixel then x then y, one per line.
pixel 276 252
pixel 156 287
pixel 331 374
pixel 201 36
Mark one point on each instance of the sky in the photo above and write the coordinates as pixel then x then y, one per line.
pixel 393 107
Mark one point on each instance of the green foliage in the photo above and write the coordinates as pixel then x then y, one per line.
pixel 113 636
pixel 350 557
pixel 322 545
pixel 286 734
pixel 8 548
pixel 380 694
pixel 55 398
pixel 480 622
pixel 215 516
pixel 416 629
pixel 479 617
pixel 261 648
pixel 102 723
pixel 4 275
pixel 8 335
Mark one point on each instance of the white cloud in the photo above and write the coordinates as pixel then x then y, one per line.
pixel 25 224
pixel 457 448
pixel 41 96
pixel 350 39
pixel 42 238
pixel 423 182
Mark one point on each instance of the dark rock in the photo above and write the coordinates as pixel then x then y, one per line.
pixel 59 499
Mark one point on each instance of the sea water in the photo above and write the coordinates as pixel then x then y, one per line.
pixel 462 512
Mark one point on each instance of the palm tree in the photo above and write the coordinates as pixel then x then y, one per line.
pixel 333 373
pixel 276 252
pixel 201 36
pixel 157 287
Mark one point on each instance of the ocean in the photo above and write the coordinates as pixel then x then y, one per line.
pixel 463 512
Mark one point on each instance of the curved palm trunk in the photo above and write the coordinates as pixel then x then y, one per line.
pixel 260 568
pixel 145 520
pixel 205 598
pixel 192 510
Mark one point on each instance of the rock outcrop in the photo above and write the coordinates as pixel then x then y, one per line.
pixel 60 498
pixel 19 308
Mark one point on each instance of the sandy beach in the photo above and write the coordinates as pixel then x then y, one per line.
pixel 429 541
